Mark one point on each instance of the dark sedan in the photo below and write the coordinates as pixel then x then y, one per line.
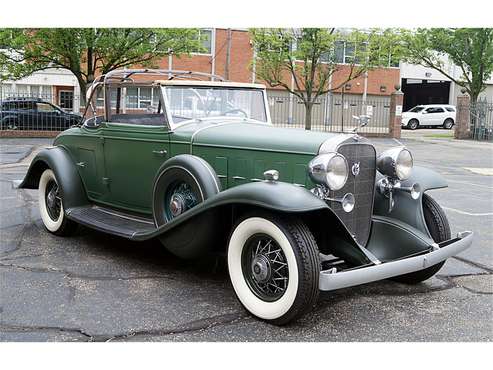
pixel 34 114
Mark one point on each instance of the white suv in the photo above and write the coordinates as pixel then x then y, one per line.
pixel 429 115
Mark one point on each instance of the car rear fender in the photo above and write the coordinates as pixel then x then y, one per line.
pixel 59 161
pixel 406 209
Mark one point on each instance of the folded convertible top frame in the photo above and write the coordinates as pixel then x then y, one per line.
pixel 126 74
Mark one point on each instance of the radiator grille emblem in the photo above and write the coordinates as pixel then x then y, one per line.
pixel 355 169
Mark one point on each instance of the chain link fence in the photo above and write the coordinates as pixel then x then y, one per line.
pixel 481 126
pixel 480 116
pixel 39 111
pixel 332 113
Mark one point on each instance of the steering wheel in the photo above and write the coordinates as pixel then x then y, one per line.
pixel 236 110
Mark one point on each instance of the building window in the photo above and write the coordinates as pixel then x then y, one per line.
pixel 66 99
pixel 5 90
pixel 346 52
pixel 205 38
pixel 339 51
pixel 99 98
pixel 22 90
pixel 41 91
pixel 343 53
pixel 141 97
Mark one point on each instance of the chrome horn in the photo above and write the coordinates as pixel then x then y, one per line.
pixel 414 189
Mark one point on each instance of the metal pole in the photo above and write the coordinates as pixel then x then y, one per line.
pixel 213 52
pixel 291 102
pixel 254 65
pixel 342 106
pixel 228 55
pixel 170 62
pixel 365 91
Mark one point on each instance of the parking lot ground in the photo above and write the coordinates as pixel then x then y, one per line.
pixel 96 287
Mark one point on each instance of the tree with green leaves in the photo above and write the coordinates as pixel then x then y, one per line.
pixel 88 52
pixel 471 49
pixel 303 60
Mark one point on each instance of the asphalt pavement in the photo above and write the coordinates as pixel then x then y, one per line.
pixel 96 287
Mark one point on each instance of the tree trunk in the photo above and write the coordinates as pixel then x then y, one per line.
pixel 474 97
pixel 83 89
pixel 308 115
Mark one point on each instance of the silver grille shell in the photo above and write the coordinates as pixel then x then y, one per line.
pixel 362 186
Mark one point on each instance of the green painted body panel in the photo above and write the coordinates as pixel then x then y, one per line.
pixel 119 161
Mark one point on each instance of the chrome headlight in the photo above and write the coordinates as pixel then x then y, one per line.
pixel 330 169
pixel 396 163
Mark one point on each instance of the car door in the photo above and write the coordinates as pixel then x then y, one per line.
pixel 136 144
pixel 432 116
pixel 25 115
pixel 49 117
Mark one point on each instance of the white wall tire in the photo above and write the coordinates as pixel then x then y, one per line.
pixel 301 254
pixel 59 225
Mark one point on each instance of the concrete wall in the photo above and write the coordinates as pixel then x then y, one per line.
pixel 51 77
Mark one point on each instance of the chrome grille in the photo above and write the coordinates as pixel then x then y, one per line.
pixel 362 186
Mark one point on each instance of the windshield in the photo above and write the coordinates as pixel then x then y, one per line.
pixel 417 109
pixel 187 102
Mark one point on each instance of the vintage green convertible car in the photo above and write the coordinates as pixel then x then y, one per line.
pixel 198 164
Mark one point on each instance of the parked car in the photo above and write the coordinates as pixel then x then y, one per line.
pixel 34 114
pixel 205 171
pixel 433 115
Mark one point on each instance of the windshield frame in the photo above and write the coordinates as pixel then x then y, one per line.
pixel 173 125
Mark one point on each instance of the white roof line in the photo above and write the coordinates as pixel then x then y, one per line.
pixel 209 83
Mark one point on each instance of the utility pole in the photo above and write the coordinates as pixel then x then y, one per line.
pixel 342 106
pixel 228 54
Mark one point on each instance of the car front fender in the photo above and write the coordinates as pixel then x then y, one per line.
pixel 59 161
pixel 407 209
pixel 272 196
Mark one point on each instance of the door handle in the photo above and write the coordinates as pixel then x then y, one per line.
pixel 81 164
pixel 160 152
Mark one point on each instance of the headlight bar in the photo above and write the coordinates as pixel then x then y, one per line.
pixel 329 169
pixel 395 163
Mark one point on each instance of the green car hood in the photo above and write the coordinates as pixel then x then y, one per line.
pixel 254 136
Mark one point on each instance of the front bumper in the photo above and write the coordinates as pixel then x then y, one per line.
pixel 331 280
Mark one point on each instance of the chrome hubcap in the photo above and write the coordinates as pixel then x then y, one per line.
pixel 265 267
pixel 179 199
pixel 261 269
pixel 177 204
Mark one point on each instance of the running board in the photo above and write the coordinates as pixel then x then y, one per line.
pixel 109 221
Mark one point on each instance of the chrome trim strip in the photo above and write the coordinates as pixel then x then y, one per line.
pixel 117 214
pixel 331 281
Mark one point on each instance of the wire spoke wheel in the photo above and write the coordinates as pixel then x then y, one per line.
pixel 178 199
pixel 53 200
pixel 265 267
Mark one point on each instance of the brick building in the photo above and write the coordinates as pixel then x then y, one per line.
pixel 380 82
pixel 228 53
